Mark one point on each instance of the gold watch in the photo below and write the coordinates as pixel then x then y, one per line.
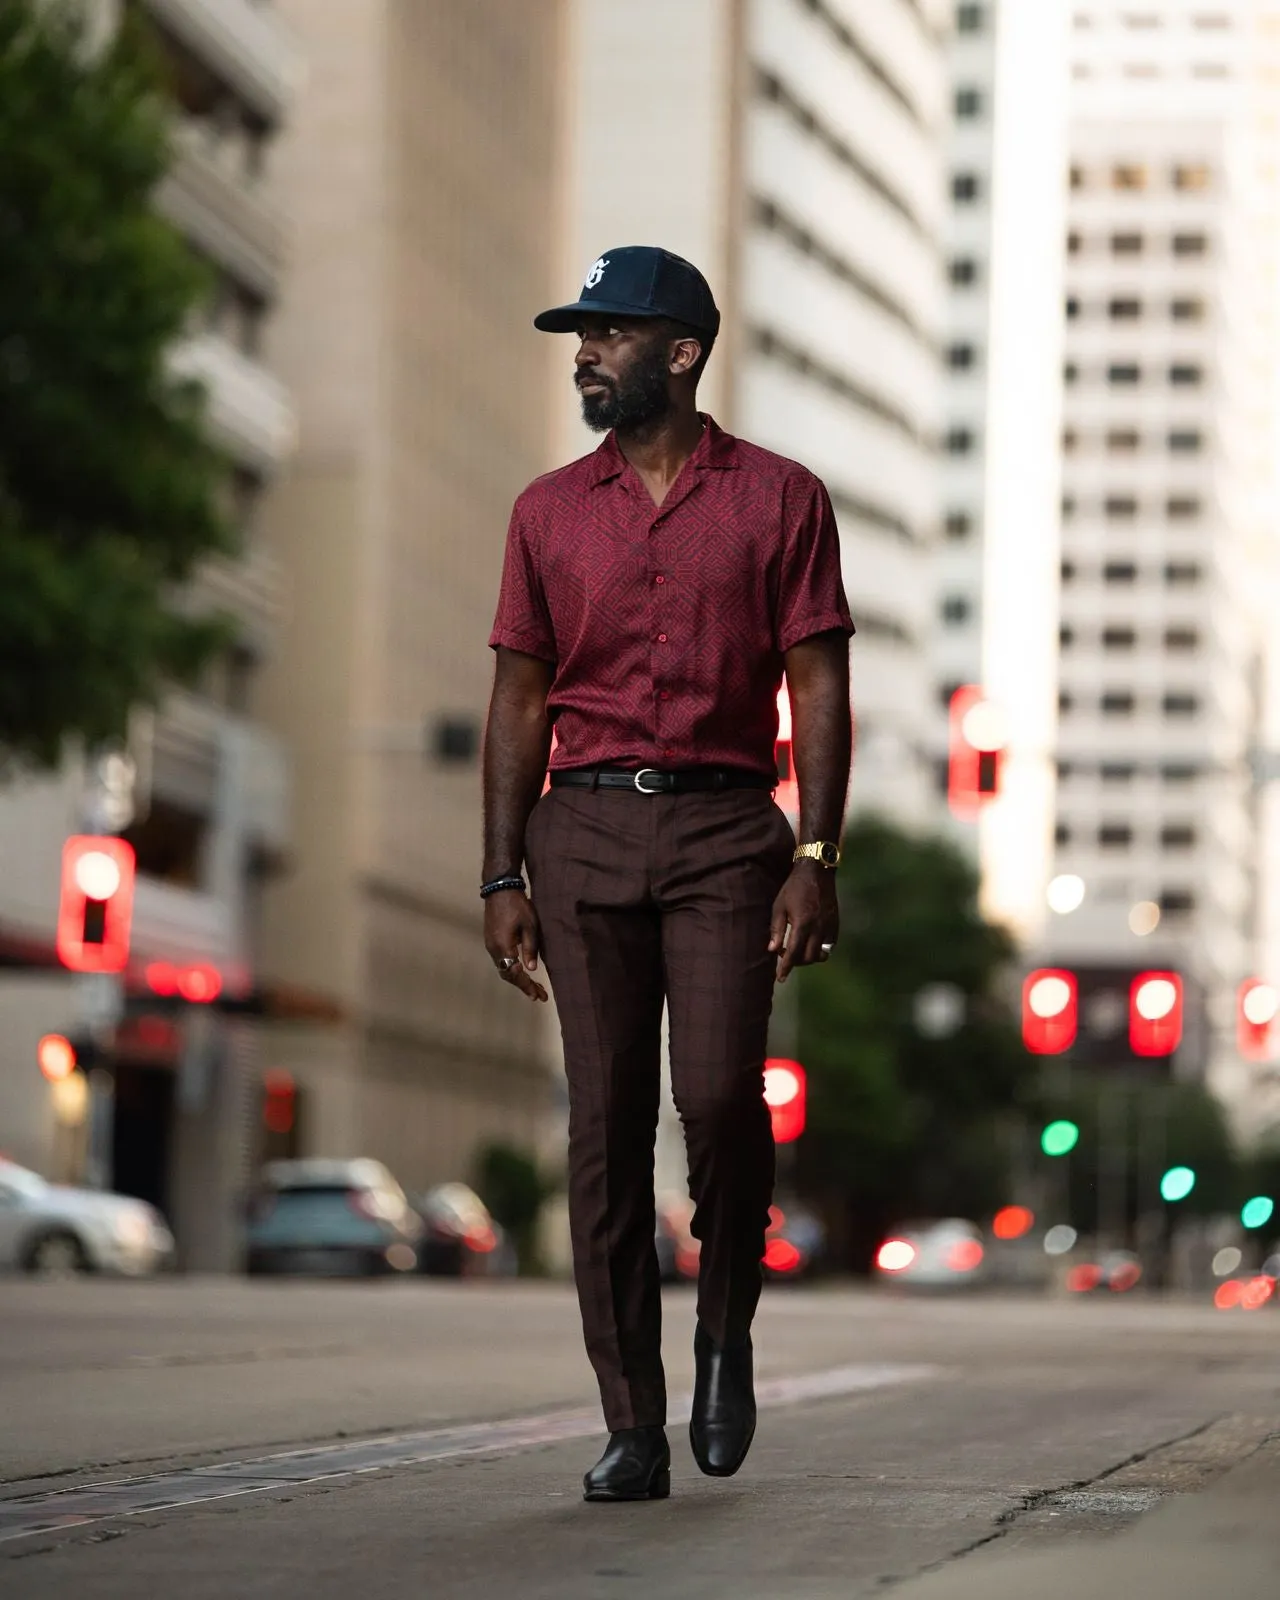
pixel 822 851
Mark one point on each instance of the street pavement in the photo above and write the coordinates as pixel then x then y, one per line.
pixel 263 1439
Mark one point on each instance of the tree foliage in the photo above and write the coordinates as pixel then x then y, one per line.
pixel 109 488
pixel 901 1123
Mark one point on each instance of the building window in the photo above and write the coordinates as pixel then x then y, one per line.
pixel 1076 177
pixel 1180 704
pixel 1124 372
pixel 1181 572
pixel 1126 244
pixel 1072 308
pixel 1065 770
pixel 1185 441
pixel 1179 772
pixel 1070 439
pixel 1117 771
pixel 1182 638
pixel 1066 638
pixel 1119 572
pixel 1180 507
pixel 968 104
pixel 1120 505
pixel 1177 902
pixel 1190 244
pixel 1117 703
pixel 955 610
pixel 1191 176
pixel 1216 20
pixel 1070 372
pixel 1074 243
pixel 970 19
pixel 963 271
pixel 946 693
pixel 1068 507
pixel 1177 836
pixel 1124 310
pixel 959 525
pixel 960 357
pixel 1066 701
pixel 1211 69
pixel 1123 441
pixel 1115 835
pixel 959 441
pixel 1190 309
pixel 964 187
pixel 1118 638
pixel 1185 374
pixel 1061 834
pixel 1067 571
pixel 1128 175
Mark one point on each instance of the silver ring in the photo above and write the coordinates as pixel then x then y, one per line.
pixel 827 949
pixel 507 962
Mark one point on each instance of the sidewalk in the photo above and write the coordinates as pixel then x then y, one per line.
pixel 1225 1540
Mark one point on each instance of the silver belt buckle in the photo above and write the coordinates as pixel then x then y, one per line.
pixel 643 772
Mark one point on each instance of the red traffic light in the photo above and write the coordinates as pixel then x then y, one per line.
pixel 279 1101
pixel 1050 1010
pixel 95 903
pixel 1257 1019
pixel 56 1056
pixel 1013 1222
pixel 784 1094
pixel 1155 1013
pixel 200 983
pixel 975 751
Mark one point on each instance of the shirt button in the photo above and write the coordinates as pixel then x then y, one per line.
pixel 659 579
pixel 662 638
pixel 665 695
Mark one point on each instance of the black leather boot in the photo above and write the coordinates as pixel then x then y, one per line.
pixel 636 1465
pixel 723 1423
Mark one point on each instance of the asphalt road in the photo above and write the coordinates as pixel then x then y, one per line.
pixel 254 1439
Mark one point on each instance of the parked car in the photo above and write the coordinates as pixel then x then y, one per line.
pixel 54 1229
pixel 461 1239
pixel 324 1218
pixel 946 1254
pixel 794 1241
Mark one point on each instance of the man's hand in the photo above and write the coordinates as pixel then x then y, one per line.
pixel 806 915
pixel 512 934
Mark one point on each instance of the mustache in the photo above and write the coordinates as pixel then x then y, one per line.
pixel 584 377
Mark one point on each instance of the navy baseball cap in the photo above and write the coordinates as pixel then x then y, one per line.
pixel 639 280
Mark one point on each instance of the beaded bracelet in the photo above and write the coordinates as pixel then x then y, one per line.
pixel 497 885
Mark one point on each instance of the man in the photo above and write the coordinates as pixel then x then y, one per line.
pixel 652 595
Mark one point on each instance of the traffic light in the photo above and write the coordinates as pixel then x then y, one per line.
pixel 1177 1183
pixel 56 1057
pixel 975 751
pixel 1155 1013
pixel 1257 1009
pixel 95 905
pixel 1050 1010
pixel 279 1095
pixel 200 982
pixel 1060 1138
pixel 784 1094
pixel 787 794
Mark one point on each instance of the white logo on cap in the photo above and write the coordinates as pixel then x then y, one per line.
pixel 596 273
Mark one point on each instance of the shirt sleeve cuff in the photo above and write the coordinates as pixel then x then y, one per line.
pixel 528 644
pixel 807 627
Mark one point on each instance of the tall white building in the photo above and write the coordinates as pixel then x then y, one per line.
pixel 1169 510
pixel 793 149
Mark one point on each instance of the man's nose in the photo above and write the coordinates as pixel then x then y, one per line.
pixel 588 355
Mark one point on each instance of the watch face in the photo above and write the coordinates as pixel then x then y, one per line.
pixel 830 855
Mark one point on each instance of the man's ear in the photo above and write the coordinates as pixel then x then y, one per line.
pixel 685 354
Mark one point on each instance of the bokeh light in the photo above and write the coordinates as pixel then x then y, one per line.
pixel 1144 918
pixel 1059 1239
pixel 1177 1183
pixel 1226 1261
pixel 1012 1222
pixel 1065 894
pixel 1060 1138
pixel 1256 1213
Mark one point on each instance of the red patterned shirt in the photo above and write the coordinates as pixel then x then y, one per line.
pixel 667 624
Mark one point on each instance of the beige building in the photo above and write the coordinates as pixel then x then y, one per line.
pixel 420 170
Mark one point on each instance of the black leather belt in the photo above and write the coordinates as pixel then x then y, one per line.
pixel 653 780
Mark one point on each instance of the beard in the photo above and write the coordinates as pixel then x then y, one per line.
pixel 634 401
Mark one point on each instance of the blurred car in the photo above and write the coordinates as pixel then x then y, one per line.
pixel 460 1237
pixel 331 1219
pixel 947 1254
pixel 53 1229
pixel 1115 1272
pixel 794 1241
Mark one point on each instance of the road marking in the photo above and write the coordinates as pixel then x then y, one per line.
pixel 59 1510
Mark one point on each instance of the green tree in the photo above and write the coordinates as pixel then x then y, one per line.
pixel 510 1184
pixel 110 492
pixel 901 1122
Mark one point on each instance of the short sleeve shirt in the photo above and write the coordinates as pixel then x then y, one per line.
pixel 667 625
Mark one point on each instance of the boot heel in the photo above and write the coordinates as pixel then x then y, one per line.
pixel 660 1488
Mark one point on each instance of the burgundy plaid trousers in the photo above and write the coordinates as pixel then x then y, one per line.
pixel 644 898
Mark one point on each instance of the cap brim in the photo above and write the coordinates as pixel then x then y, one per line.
pixel 567 319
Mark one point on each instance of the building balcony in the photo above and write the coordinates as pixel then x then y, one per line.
pixel 250 413
pixel 251 588
pixel 180 924
pixel 245 44
pixel 223 218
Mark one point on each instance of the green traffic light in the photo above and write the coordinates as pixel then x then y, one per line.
pixel 1177 1183
pixel 1060 1138
pixel 1256 1213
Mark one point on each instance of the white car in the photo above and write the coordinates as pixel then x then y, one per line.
pixel 49 1228
pixel 933 1255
